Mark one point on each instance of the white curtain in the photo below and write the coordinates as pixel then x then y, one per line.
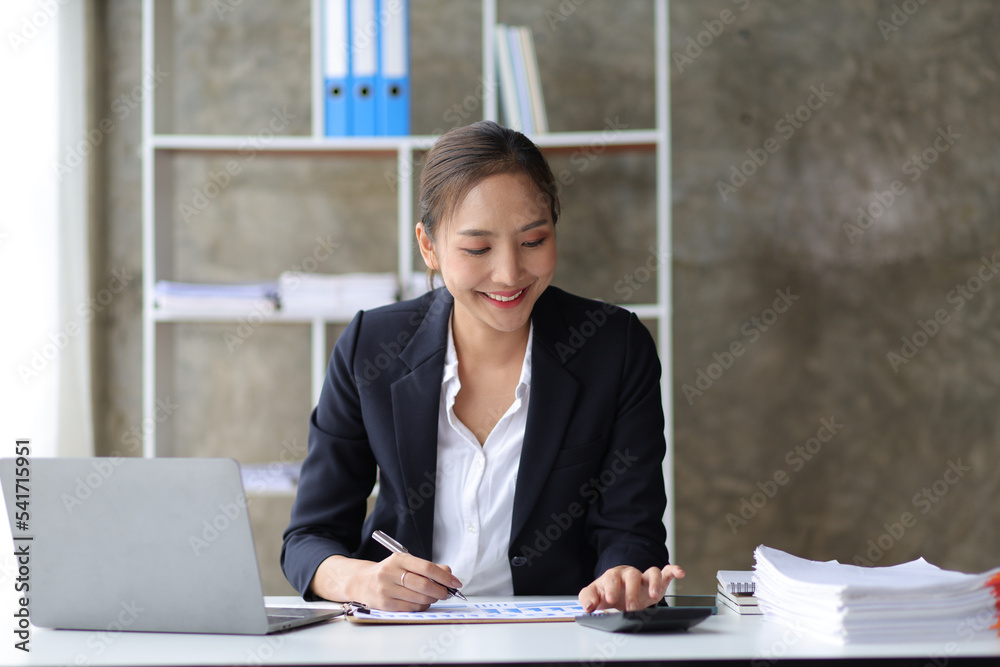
pixel 45 390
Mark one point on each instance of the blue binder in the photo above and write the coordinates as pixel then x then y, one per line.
pixel 364 66
pixel 336 67
pixel 392 99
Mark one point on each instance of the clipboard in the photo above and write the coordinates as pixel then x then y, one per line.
pixel 449 611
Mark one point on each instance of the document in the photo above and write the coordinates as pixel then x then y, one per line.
pixel 847 603
pixel 456 611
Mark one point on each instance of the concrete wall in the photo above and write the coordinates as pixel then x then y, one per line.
pixel 832 112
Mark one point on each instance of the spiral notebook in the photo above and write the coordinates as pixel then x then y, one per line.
pixel 736 592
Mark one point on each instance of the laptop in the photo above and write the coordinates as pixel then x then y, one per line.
pixel 155 545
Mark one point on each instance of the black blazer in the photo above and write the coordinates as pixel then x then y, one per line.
pixel 589 492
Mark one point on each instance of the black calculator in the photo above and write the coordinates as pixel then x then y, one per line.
pixel 673 613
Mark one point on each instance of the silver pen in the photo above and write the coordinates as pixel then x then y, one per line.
pixel 397 548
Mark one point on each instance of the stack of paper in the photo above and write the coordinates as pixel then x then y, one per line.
pixel 520 83
pixel 215 298
pixel 334 295
pixel 847 603
pixel 272 477
pixel 736 592
pixel 419 284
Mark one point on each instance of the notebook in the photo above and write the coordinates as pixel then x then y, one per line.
pixel 736 592
pixel 158 545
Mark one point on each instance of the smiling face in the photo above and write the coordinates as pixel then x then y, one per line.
pixel 496 254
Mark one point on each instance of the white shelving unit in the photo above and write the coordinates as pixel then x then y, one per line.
pixel 157 147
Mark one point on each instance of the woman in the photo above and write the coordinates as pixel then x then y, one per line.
pixel 517 430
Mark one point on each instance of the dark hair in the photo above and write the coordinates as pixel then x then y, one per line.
pixel 464 156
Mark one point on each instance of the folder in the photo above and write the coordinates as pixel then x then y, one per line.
pixel 505 73
pixel 364 66
pixel 521 81
pixel 336 67
pixel 537 102
pixel 392 99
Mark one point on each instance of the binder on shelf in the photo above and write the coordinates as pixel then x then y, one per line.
pixel 505 74
pixel 392 98
pixel 539 119
pixel 336 67
pixel 520 83
pixel 364 50
pixel 520 80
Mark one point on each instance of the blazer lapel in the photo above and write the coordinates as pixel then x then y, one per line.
pixel 415 403
pixel 550 406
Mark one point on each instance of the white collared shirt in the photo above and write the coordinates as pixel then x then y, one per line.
pixel 474 499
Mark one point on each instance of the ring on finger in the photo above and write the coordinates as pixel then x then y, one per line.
pixel 402 577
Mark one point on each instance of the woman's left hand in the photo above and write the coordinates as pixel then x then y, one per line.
pixel 627 589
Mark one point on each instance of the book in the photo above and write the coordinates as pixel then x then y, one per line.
pixel 520 83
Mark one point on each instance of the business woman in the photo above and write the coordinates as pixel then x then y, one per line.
pixel 516 431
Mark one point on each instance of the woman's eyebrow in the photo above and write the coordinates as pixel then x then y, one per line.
pixel 483 232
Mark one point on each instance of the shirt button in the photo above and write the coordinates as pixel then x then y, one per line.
pixel 471 528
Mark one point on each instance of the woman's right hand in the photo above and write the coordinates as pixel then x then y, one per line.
pixel 401 582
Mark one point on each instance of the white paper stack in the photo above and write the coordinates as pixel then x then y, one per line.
pixel 272 477
pixel 214 298
pixel 342 295
pixel 847 603
pixel 419 285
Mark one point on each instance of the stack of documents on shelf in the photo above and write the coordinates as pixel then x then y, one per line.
pixel 520 83
pixel 420 284
pixel 272 477
pixel 318 295
pixel 215 299
pixel 736 592
pixel 848 603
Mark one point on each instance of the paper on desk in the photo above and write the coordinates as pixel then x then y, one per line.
pixel 850 603
pixel 456 611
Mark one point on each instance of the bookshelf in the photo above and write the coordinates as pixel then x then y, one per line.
pixel 161 146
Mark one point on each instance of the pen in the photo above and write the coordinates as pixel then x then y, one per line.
pixel 397 548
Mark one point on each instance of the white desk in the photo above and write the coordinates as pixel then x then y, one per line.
pixel 723 638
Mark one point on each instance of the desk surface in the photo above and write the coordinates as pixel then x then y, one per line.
pixel 726 637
